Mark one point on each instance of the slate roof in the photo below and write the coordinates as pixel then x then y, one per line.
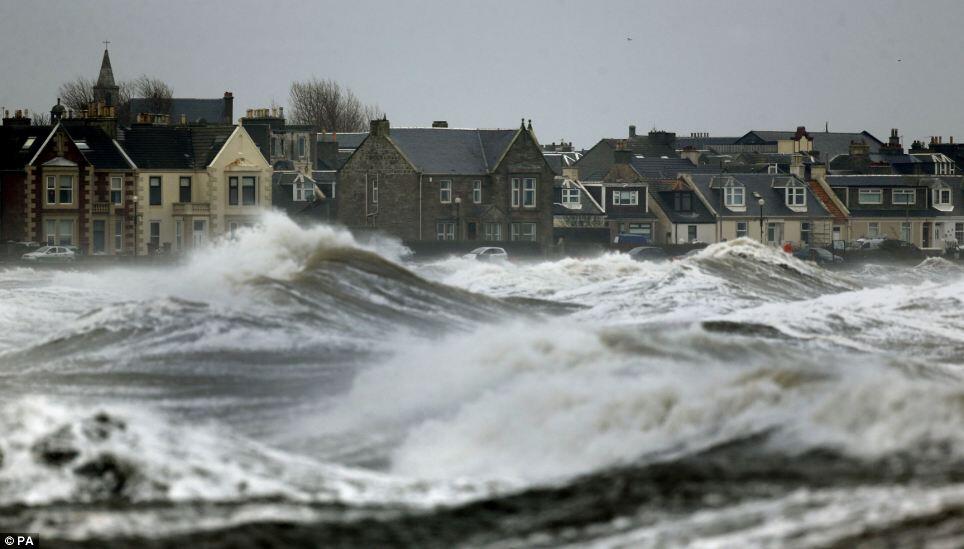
pixel 212 111
pixel 346 140
pixel 668 168
pixel 452 151
pixel 558 160
pixel 12 139
pixel 160 147
pixel 774 198
pixel 586 206
pixel 879 180
pixel 954 182
pixel 175 147
pixel 102 151
pixel 698 213
pixel 702 143
pixel 828 144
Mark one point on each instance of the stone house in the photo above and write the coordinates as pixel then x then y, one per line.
pixel 443 183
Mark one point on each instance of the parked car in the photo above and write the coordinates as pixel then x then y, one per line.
pixel 648 253
pixel 817 255
pixel 487 253
pixel 887 249
pixel 50 254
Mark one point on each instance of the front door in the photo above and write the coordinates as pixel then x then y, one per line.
pixel 926 235
pixel 199 232
pixel 775 233
pixel 472 231
pixel 100 236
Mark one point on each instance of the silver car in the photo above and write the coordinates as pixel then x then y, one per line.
pixel 50 253
pixel 487 253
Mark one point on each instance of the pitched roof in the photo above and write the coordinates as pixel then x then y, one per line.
pixel 346 140
pixel 828 144
pixel 207 142
pixel 587 203
pixel 101 150
pixel 451 150
pixel 709 186
pixel 13 155
pixel 668 168
pixel 160 147
pixel 212 111
pixel 698 213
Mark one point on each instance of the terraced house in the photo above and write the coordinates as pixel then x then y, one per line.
pixel 194 183
pixel 444 183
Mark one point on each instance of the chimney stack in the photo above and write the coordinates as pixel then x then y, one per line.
pixel 632 131
pixel 227 116
pixel 380 128
pixel 440 124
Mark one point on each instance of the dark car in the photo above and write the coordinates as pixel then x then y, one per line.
pixel 888 249
pixel 648 253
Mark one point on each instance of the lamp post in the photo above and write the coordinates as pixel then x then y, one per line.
pixel 761 202
pixel 458 217
pixel 134 200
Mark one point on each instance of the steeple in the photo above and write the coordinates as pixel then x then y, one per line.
pixel 106 90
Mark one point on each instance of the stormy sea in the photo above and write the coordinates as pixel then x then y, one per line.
pixel 298 388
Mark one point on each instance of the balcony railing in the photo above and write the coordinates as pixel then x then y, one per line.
pixel 192 208
pixel 100 208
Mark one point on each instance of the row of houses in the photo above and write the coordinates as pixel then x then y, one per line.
pixel 174 180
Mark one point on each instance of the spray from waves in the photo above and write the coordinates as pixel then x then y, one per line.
pixel 307 292
pixel 523 404
pixel 724 277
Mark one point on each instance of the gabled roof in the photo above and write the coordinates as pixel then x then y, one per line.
pixel 13 155
pixel 709 187
pixel 175 147
pixel 828 144
pixel 208 141
pixel 451 150
pixel 212 111
pixel 665 198
pixel 346 140
pixel 587 203
pixel 101 151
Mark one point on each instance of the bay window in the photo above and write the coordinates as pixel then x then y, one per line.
pixel 524 232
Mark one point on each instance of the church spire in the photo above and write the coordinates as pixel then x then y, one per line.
pixel 106 77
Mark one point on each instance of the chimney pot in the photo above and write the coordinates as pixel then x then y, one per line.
pixel 281 112
pixel 632 131
pixel 444 124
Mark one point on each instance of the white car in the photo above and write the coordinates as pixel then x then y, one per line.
pixel 487 253
pixel 50 253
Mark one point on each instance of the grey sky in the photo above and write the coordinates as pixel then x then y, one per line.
pixel 720 67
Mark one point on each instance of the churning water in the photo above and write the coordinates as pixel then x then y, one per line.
pixel 297 388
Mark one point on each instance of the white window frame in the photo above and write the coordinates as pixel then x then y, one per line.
pixel 730 195
pixel 528 192
pixel 246 182
pixel 51 189
pixel 178 234
pixel 477 191
pixel 873 229
pixel 117 186
pixel 796 197
pixel 911 193
pixel 492 232
pixel 375 191
pixel 445 191
pixel 906 228
pixel 745 231
pixel 625 198
pixel 516 192
pixel 864 196
pixel 520 232
pixel 571 196
pixel 118 235
pixel 939 194
pixel 445 230
pixel 181 186
pixel 302 146
pixel 150 236
pixel 298 191
pixel 160 190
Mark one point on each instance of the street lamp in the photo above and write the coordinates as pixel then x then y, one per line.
pixel 458 217
pixel 761 202
pixel 134 200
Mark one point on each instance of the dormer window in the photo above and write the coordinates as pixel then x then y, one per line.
pixel 796 197
pixel 903 197
pixel 571 197
pixel 942 196
pixel 734 197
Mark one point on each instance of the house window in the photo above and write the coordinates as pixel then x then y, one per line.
pixel 942 196
pixel 516 192
pixel 445 231
pixel 178 234
pixel 959 232
pixel 683 202
pixel 248 191
pixel 625 198
pixel 774 233
pixel 905 230
pixel 873 229
pixel 492 231
pixel 870 196
pixel 375 191
pixel 477 191
pixel 734 197
pixel 805 231
pixel 118 235
pixel 65 192
pixel 796 196
pixel 445 192
pixel 529 192
pixel 903 196
pixel 301 191
pixel 155 191
pixel 275 146
pixel 645 229
pixel 184 190
pixel 691 233
pixel 155 236
pixel 233 191
pixel 570 197
pixel 59 232
pixel 51 189
pixel 116 190
pixel 741 229
pixel 524 232
pixel 301 146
